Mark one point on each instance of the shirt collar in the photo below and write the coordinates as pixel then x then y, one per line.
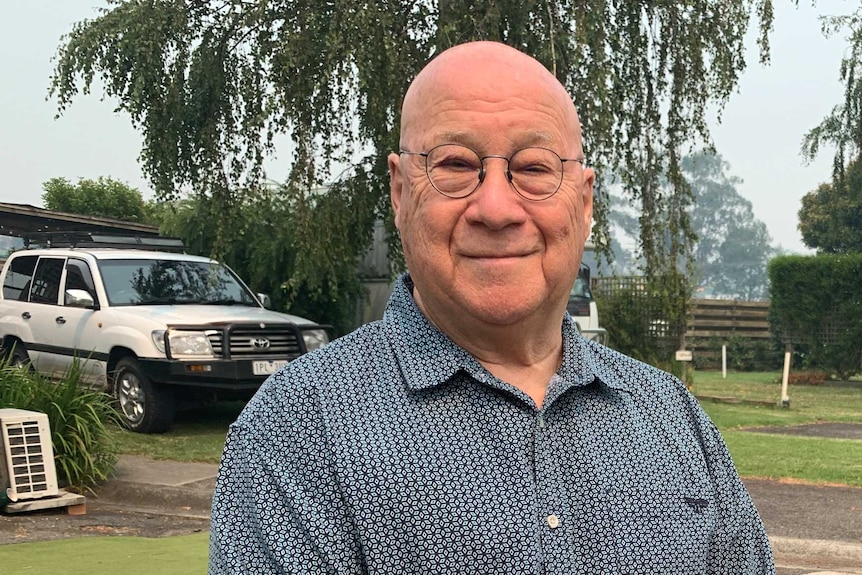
pixel 585 361
pixel 427 357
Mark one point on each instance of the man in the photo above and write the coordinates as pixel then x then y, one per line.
pixel 472 430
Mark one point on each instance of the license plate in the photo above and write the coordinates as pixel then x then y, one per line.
pixel 267 367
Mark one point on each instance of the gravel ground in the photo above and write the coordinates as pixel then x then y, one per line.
pixel 100 520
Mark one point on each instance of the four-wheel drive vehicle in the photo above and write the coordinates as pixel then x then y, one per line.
pixel 158 330
pixel 582 307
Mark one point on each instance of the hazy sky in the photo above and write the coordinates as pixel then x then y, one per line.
pixel 759 135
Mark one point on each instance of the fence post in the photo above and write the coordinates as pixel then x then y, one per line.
pixel 724 361
pixel 788 353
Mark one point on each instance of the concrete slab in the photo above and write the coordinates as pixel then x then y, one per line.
pixel 64 499
pixel 132 468
pixel 818 553
pixel 160 486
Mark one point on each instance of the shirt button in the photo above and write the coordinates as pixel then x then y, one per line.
pixel 553 521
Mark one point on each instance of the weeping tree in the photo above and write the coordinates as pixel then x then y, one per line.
pixel 217 87
pixel 842 127
pixel 830 218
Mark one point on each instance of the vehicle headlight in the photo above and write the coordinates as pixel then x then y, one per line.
pixel 189 343
pixel 159 339
pixel 314 338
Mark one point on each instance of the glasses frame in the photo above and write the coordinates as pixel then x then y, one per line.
pixel 482 170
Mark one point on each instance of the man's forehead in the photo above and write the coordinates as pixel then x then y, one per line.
pixel 484 74
pixel 473 140
pixel 482 63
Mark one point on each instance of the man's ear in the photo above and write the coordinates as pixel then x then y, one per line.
pixel 586 191
pixel 396 184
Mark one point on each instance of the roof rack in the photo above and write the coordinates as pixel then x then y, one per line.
pixel 99 240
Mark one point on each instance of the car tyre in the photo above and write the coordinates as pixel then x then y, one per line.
pixel 16 356
pixel 143 406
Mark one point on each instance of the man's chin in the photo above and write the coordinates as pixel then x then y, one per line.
pixel 471 300
pixel 496 307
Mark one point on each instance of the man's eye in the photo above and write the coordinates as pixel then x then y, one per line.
pixel 534 168
pixel 456 164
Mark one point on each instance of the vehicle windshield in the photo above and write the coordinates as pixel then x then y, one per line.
pixel 170 282
pixel 581 289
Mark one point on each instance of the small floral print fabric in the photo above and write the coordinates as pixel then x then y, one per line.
pixel 392 451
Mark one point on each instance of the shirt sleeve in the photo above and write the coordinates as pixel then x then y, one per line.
pixel 740 545
pixel 277 507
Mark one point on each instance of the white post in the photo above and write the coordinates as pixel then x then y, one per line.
pixel 785 400
pixel 724 361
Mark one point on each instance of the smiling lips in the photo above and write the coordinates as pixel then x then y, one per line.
pixel 497 258
pixel 497 255
pixel 508 261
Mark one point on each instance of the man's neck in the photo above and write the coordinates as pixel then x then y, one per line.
pixel 525 354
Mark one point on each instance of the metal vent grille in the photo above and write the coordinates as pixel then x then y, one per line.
pixel 253 341
pixel 27 467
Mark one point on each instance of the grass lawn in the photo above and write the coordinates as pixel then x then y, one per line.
pixel 91 555
pixel 830 401
pixel 196 435
pixel 806 459
pixel 774 456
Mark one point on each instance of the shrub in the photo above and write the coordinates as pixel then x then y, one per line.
pixel 743 353
pixel 816 304
pixel 640 323
pixel 78 416
pixel 806 378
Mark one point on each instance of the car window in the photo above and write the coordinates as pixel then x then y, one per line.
pixel 170 282
pixel 45 287
pixel 581 289
pixel 16 285
pixel 78 276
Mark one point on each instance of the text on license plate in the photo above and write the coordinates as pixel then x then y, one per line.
pixel 268 366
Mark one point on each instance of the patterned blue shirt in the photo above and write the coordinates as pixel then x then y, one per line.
pixel 393 451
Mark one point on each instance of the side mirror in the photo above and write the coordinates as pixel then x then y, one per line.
pixel 265 300
pixel 79 298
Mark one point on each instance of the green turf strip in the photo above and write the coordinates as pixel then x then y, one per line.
pixel 182 555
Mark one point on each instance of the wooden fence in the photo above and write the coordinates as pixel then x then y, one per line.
pixel 724 318
pixel 717 321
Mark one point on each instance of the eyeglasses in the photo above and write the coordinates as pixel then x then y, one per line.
pixel 457 171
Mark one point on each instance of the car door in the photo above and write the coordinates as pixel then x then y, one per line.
pixel 41 312
pixel 77 325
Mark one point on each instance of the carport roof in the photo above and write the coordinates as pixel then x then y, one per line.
pixel 20 219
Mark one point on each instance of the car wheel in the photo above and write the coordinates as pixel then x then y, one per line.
pixel 17 356
pixel 143 406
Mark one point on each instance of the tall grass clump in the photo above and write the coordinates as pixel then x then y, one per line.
pixel 84 453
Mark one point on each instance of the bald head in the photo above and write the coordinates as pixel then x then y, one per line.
pixel 484 72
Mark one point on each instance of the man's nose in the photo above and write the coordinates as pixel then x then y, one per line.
pixel 495 203
pixel 504 164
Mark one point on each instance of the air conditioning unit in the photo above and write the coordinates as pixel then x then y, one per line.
pixel 27 468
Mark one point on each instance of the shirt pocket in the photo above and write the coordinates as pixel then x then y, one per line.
pixel 662 530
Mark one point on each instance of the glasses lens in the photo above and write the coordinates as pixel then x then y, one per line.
pixel 536 172
pixel 453 169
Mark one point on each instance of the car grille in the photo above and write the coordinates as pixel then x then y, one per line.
pixel 253 341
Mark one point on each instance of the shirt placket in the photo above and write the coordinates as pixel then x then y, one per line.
pixel 554 519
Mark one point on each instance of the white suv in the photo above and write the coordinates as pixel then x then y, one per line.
pixel 154 328
pixel 583 309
